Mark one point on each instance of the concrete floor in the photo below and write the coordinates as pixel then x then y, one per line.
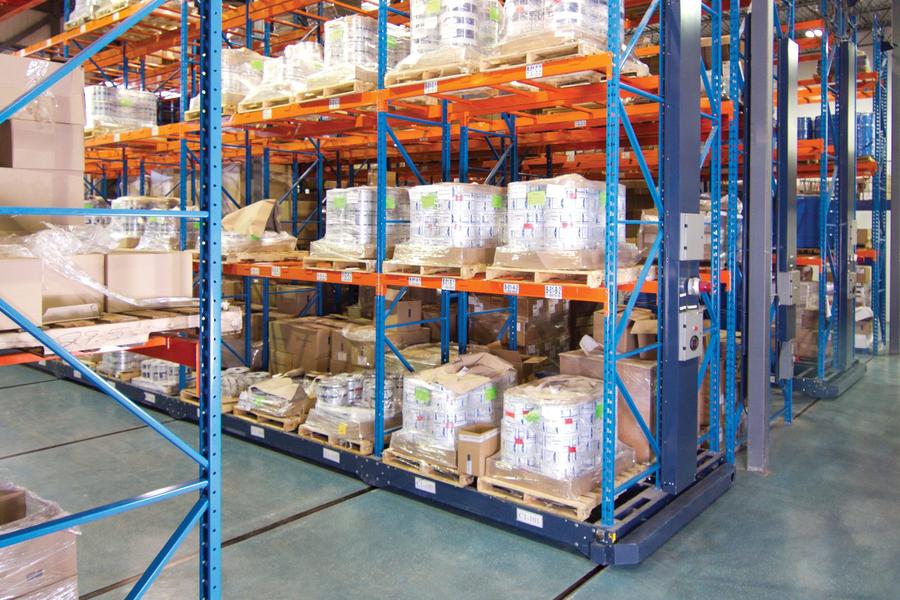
pixel 823 524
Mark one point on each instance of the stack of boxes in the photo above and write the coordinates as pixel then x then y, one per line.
pixel 542 325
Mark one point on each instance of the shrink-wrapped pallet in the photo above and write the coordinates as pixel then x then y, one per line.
pixel 116 108
pixel 286 75
pixel 351 218
pixel 345 405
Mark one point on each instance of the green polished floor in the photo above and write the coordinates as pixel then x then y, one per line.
pixel 823 523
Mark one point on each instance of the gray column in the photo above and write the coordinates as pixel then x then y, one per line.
pixel 894 264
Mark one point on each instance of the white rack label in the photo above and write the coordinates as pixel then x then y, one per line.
pixel 321 276
pixel 553 292
pixel 154 131
pixel 534 70
pixel 334 103
pixel 117 137
pixel 43 363
pixel 148 397
pixel 115 16
pixel 511 288
pixel 431 87
pixel 347 277
pixel 198 413
pixel 581 123
pixel 414 281
pixel 267 114
pixel 76 374
pixel 332 455
pixel 426 485
pixel 82 29
pixel 257 432
pixel 276 271
pixel 254 270
pixel 448 283
pixel 530 518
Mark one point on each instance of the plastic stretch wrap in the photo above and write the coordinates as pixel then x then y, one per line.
pixel 560 223
pixel 553 428
pixel 242 71
pixel 541 23
pixel 41 108
pixel 83 10
pixel 286 75
pixel 119 108
pixel 351 218
pixel 345 404
pixel 451 32
pixel 238 379
pixel 119 361
pixel 420 357
pixel 276 396
pixel 353 40
pixel 269 241
pixel 145 233
pixel 447 217
pixel 43 568
pixel 437 402
pixel 542 325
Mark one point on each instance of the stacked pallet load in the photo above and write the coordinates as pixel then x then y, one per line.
pixel 453 227
pixel 541 325
pixel 111 109
pixel 448 38
pixel 440 403
pixel 284 76
pixel 350 227
pixel 242 71
pixel 550 447
pixel 279 401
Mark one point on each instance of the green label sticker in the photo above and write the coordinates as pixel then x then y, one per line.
pixel 602 198
pixel 255 238
pixel 599 410
pixel 432 7
pixel 197 225
pixel 339 201
pixel 256 65
pixel 490 393
pixel 536 198
pixel 533 416
pixel 423 395
pixel 88 205
pixel 493 13
pixel 392 42
pixel 429 200
pixel 390 202
pixel 152 219
pixel 497 201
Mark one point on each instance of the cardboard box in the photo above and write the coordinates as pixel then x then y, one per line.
pixel 29 566
pixel 349 355
pixel 66 588
pixel 474 444
pixel 568 488
pixel 526 366
pixel 301 343
pixel 292 299
pixel 40 187
pixel 636 334
pixel 63 103
pixel 863 238
pixel 148 275
pixel 61 292
pixel 22 282
pixel 33 145
pixel 391 178
pixel 405 311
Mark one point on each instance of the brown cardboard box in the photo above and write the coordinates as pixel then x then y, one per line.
pixel 863 274
pixel 44 187
pixel 12 505
pixel 63 103
pixel 301 343
pixel 231 287
pixel 33 145
pixel 863 238
pixel 29 566
pixel 405 311
pixel 630 339
pixel 433 311
pixel 391 178
pixel 526 366
pixel 66 588
pixel 60 291
pixel 148 275
pixel 290 299
pixel 474 444
pixel 350 354
pixel 22 280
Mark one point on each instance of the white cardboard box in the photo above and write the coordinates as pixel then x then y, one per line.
pixel 60 291
pixel 40 187
pixel 28 144
pixel 22 279
pixel 146 275
pixel 62 103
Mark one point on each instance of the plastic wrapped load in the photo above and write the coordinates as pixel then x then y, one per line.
pixel 119 108
pixel 420 357
pixel 438 402
pixel 269 241
pixel 351 50
pixel 118 362
pixel 145 233
pixel 451 32
pixel 560 223
pixel 542 325
pixel 242 72
pixel 552 429
pixel 345 405
pixel 531 24
pixel 238 379
pixel 350 222
pixel 277 396
pixel 83 10
pixel 453 224
pixel 43 568
pixel 286 75
pixel 162 376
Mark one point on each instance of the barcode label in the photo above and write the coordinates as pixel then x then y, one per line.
pixel 334 103
pixel 148 397
pixel 414 281
pixel 332 455
pixel 448 283
pixel 530 518
pixel 426 485
pixel 321 276
pixel 581 123
pixel 257 432
pixel 347 277
pixel 511 288
pixel 554 292
pixel 431 87
pixel 76 374
pixel 533 71
pixel 267 114
pixel 254 271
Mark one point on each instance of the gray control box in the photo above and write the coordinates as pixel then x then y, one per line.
pixel 691 237
pixel 690 333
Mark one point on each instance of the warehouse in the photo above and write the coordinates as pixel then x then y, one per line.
pixel 454 298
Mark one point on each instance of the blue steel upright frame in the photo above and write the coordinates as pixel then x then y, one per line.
pixel 207 485
pixel 881 55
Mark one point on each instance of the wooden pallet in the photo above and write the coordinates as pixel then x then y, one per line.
pixel 526 55
pixel 286 424
pixel 329 438
pixel 339 264
pixel 112 7
pixel 276 256
pixel 593 279
pixel 353 86
pixel 579 508
pixel 463 271
pixel 190 397
pixel 125 376
pixel 193 115
pixel 426 73
pixel 414 464
pixel 244 106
